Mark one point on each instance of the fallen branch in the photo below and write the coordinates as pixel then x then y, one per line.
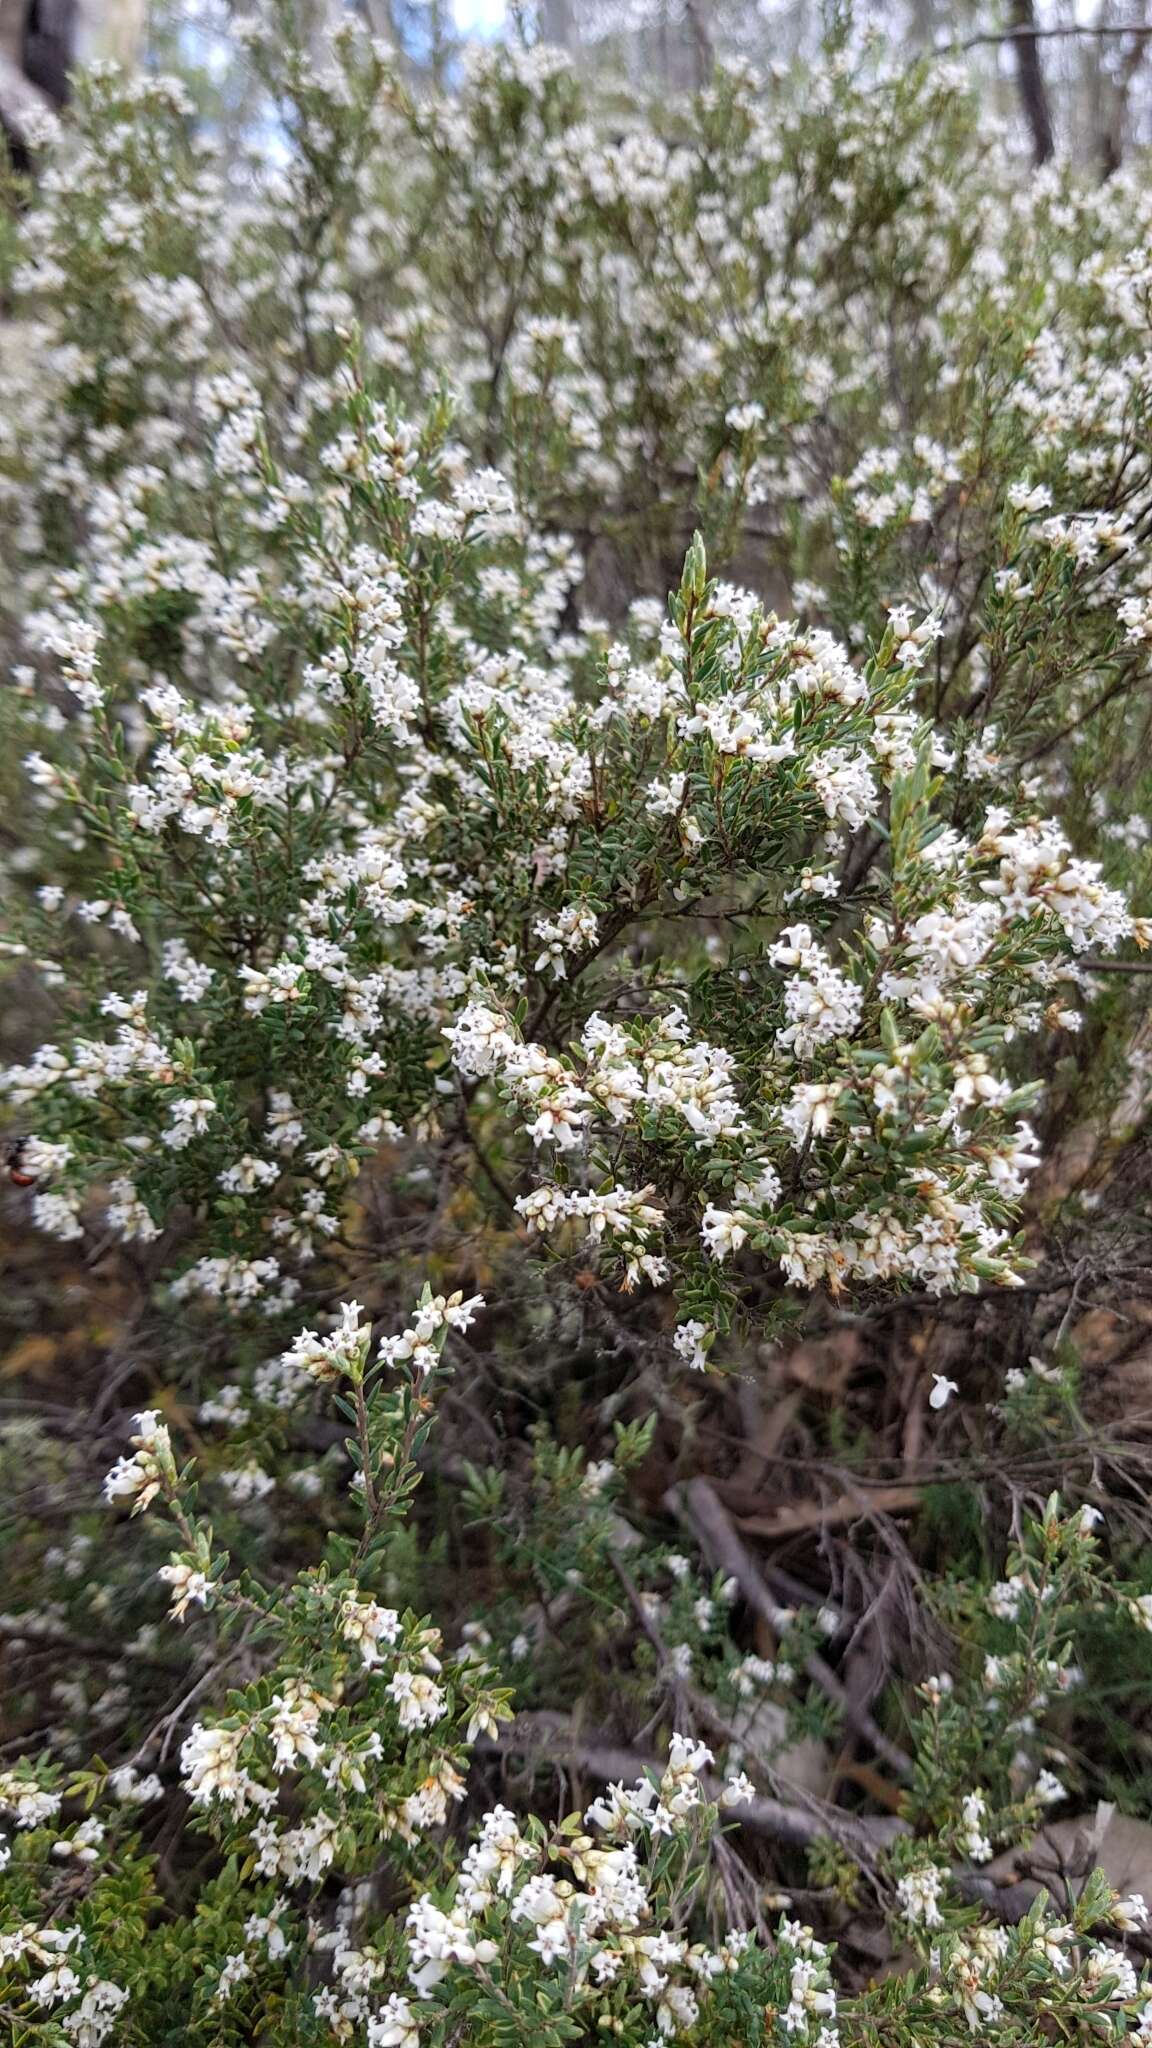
pixel 883 1500
pixel 706 1513
pixel 551 1738
pixel 1115 966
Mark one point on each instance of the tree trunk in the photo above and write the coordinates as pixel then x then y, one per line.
pixel 40 43
pixel 1115 93
pixel 1030 79
pixel 35 52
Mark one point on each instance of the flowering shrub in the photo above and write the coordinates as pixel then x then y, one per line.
pixel 309 866
pixel 352 1741
pixel 577 724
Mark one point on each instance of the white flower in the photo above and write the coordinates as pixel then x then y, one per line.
pixel 140 1477
pixel 942 1391
pixel 368 1625
pixel 187 1585
pixel 1048 1789
pixel 691 1342
pixel 722 1232
pixel 84 1844
pixel 341 1353
pixel 28 1804
pixel 394 2026
pixel 974 1812
pixel 919 1894
pixel 418 1698
pixel 209 1760
pixel 738 1790
pixel 90 2023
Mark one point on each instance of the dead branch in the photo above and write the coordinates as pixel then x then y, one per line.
pixel 545 1737
pixel 548 1737
pixel 703 1509
pixel 881 1500
pixel 1033 33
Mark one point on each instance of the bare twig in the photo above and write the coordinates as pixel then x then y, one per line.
pixel 884 1500
pixel 1033 33
pixel 552 1738
pixel 1116 966
pixel 707 1514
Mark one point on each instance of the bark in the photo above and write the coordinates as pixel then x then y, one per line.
pixel 1030 80
pixel 695 17
pixel 20 104
pixel 37 39
pixel 50 46
pixel 1116 92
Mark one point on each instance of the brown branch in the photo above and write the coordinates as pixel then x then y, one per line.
pixel 1116 966
pixel 552 1738
pixel 882 1500
pixel 706 1513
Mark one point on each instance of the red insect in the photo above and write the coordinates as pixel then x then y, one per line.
pixel 16 1171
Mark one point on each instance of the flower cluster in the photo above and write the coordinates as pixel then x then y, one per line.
pixel 416 861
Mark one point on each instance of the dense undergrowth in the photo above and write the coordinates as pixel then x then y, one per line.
pixel 575 769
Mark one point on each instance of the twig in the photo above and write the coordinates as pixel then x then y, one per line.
pixel 1116 966
pixel 708 1516
pixel 884 1500
pixel 551 1737
pixel 1094 30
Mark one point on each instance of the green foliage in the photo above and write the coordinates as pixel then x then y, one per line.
pixel 403 890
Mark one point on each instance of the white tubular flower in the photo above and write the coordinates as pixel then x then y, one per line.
pixel 188 1585
pixel 811 1110
pixel 25 1802
pixel 738 1790
pixel 419 1700
pixel 394 2026
pixel 341 1354
pixel 919 1893
pixel 209 1761
pixel 139 1478
pixel 692 1342
pixel 364 1623
pixel 723 1232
